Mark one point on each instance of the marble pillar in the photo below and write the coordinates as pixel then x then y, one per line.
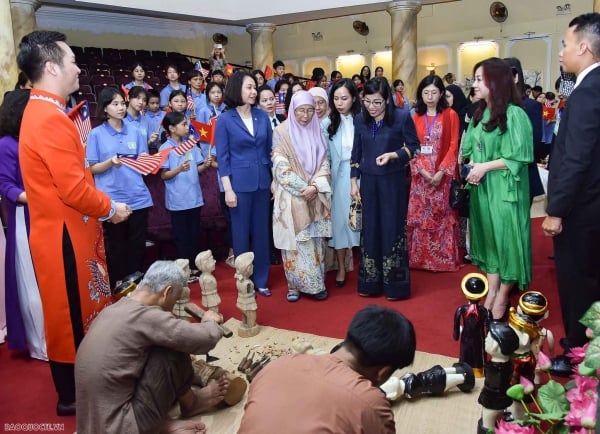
pixel 596 5
pixel 262 44
pixel 23 18
pixel 404 43
pixel 8 60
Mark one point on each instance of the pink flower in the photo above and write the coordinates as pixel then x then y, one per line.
pixel 589 333
pixel 577 354
pixel 584 400
pixel 543 361
pixel 503 427
pixel 527 385
pixel 588 417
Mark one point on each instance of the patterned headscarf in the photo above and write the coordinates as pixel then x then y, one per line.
pixel 308 140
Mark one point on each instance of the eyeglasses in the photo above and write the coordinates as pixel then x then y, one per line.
pixel 375 103
pixel 305 112
pixel 431 92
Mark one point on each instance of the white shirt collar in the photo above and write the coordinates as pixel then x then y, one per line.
pixel 585 72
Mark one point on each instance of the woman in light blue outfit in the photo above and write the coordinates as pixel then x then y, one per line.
pixel 338 129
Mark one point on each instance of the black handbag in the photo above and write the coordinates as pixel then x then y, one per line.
pixel 459 197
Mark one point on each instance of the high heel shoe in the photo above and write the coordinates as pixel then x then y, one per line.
pixel 340 283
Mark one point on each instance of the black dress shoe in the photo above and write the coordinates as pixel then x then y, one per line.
pixel 561 366
pixel 340 283
pixel 275 259
pixel 63 409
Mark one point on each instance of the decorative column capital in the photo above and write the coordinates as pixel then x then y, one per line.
pixel 403 6
pixel 34 4
pixel 261 27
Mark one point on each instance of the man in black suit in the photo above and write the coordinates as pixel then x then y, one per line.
pixel 574 184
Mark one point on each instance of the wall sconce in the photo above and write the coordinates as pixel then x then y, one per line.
pixel 431 69
pixel 564 9
pixel 317 36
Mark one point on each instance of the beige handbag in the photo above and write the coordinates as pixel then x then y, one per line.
pixel 355 217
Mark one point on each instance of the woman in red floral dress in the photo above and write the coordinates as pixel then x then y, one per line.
pixel 432 226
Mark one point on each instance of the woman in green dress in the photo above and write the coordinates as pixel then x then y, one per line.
pixel 498 144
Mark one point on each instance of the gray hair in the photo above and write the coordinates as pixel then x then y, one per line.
pixel 162 274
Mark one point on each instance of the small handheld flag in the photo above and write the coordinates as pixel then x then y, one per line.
pixel 206 132
pixel 268 72
pixel 80 115
pixel 143 163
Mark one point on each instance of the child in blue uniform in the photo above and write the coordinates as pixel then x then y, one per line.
pixel 138 74
pixel 195 89
pixel 174 84
pixel 137 103
pixel 154 115
pixel 125 242
pixel 183 195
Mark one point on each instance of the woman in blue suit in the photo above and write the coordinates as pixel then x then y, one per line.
pixel 245 138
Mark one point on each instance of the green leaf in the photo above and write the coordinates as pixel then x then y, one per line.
pixel 552 399
pixel 586 370
pixel 559 429
pixel 549 416
pixel 516 392
pixel 592 354
pixel 591 318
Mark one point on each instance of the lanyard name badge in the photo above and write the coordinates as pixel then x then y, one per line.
pixel 426 148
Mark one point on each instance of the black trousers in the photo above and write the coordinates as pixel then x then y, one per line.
pixel 186 233
pixel 63 374
pixel 125 245
pixel 577 271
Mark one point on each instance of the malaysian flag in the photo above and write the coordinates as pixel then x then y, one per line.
pixel 191 107
pixel 198 67
pixel 143 163
pixel 188 144
pixel 80 115
pixel 280 104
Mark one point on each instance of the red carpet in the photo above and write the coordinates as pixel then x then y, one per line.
pixel 27 394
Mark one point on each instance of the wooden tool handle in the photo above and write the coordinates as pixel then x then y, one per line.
pixel 198 313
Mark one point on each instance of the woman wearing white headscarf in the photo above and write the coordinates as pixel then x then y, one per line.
pixel 321 102
pixel 302 195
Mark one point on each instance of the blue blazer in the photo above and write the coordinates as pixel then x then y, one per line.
pixel 244 157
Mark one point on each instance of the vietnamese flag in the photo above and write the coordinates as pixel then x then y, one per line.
pixel 228 70
pixel 205 131
pixel 548 113
pixel 268 72
pixel 125 92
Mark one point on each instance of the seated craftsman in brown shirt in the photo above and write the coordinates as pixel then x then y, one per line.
pixel 133 364
pixel 338 392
